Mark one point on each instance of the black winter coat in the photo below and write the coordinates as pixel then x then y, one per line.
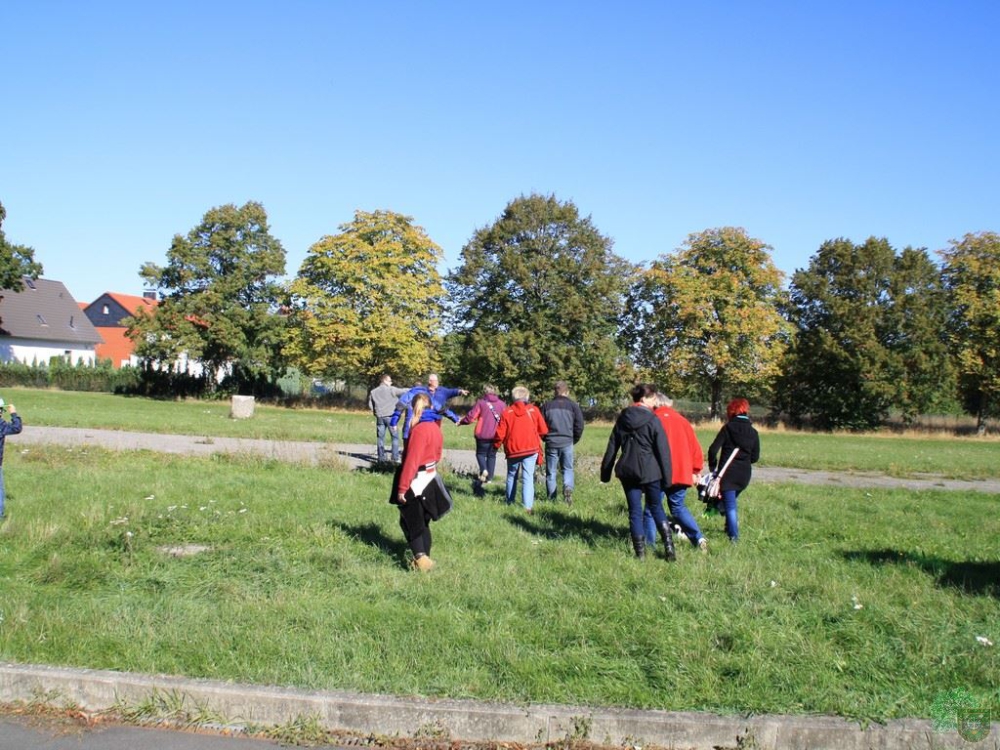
pixel 736 433
pixel 645 451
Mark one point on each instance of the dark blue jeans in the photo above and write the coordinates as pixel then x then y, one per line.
pixel 634 494
pixel 732 525
pixel 486 457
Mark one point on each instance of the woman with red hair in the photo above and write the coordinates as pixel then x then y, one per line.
pixel 738 435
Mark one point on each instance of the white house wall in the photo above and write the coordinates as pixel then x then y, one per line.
pixel 29 351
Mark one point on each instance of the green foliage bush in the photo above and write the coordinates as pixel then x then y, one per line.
pixel 99 377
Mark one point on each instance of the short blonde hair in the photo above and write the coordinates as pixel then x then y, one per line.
pixel 520 393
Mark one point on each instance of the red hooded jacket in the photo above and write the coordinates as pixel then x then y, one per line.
pixel 685 450
pixel 521 430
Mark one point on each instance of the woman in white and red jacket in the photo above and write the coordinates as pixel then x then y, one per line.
pixel 415 487
pixel 520 432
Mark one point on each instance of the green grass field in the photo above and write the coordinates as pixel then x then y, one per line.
pixel 896 455
pixel 861 603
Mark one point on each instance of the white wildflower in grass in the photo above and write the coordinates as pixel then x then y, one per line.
pixel 150 497
pixel 171 508
pixel 120 521
pixel 244 510
pixel 203 508
pixel 856 603
pixel 984 640
pixel 773 584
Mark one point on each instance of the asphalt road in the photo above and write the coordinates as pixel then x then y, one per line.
pixel 39 733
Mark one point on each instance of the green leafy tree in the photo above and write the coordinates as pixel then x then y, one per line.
pixel 538 297
pixel 914 330
pixel 706 320
pixel 219 299
pixel 16 261
pixel 367 300
pixel 971 275
pixel 868 336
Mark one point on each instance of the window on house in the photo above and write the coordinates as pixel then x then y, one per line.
pixel 41 320
pixel 105 310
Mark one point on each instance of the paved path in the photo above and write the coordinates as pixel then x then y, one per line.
pixel 358 456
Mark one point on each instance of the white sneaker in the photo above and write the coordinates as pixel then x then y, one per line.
pixel 483 476
pixel 703 545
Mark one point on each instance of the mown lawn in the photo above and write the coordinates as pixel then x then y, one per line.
pixel 865 604
pixel 897 455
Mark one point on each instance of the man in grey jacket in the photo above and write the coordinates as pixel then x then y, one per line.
pixel 382 401
pixel 565 420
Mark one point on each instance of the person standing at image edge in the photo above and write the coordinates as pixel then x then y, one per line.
pixel 13 427
pixel 520 432
pixel 736 434
pixel 565 421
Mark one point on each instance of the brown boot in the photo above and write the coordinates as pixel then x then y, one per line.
pixel 423 563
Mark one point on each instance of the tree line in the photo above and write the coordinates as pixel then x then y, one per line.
pixel 863 332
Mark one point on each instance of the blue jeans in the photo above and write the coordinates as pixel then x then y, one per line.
pixel 526 467
pixel 381 425
pixel 486 457
pixel 554 457
pixel 634 494
pixel 732 525
pixel 680 513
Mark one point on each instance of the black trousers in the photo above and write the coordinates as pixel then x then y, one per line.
pixel 415 521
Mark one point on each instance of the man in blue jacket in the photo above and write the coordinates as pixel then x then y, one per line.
pixel 6 428
pixel 439 396
pixel 565 420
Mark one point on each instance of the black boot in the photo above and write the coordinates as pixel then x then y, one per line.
pixel 668 541
pixel 639 545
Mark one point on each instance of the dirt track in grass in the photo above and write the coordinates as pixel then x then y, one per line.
pixel 461 461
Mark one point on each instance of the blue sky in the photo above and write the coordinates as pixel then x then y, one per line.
pixel 124 122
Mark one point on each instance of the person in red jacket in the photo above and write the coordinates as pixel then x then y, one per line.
pixel 686 464
pixel 415 490
pixel 520 432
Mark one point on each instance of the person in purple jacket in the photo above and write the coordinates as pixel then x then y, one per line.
pixel 486 416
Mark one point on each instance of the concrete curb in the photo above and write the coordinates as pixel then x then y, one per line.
pixel 97 690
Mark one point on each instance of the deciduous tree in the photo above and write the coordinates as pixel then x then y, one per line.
pixel 16 261
pixel 219 298
pixel 538 297
pixel 367 300
pixel 971 274
pixel 869 336
pixel 706 319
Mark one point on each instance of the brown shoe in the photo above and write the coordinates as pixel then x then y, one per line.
pixel 423 563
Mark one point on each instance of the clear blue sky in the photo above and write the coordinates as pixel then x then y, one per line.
pixel 124 122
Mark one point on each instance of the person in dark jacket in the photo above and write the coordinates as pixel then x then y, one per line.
pixel 12 427
pixel 643 466
pixel 737 434
pixel 486 416
pixel 565 420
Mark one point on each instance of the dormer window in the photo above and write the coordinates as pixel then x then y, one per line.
pixel 105 310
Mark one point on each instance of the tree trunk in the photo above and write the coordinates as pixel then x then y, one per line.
pixel 715 410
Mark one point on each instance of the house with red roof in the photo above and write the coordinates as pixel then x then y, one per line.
pixel 107 312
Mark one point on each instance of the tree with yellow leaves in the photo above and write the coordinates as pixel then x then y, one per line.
pixel 367 300
pixel 706 319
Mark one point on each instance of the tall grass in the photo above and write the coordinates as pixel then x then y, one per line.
pixel 858 603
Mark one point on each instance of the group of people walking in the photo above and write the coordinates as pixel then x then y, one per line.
pixel 652 450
